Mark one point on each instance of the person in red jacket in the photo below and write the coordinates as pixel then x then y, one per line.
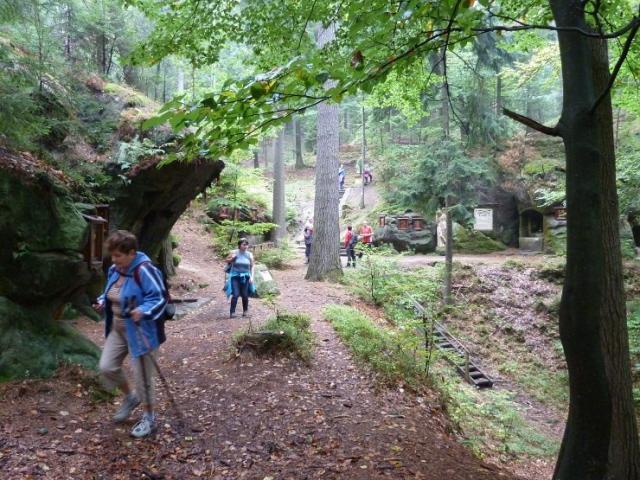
pixel 367 234
pixel 350 240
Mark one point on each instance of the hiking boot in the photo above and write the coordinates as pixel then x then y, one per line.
pixel 245 314
pixel 232 315
pixel 145 427
pixel 129 404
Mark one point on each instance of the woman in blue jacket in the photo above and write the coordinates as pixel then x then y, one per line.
pixel 240 279
pixel 133 300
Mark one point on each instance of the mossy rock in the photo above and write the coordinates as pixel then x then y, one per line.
pixel 32 344
pixel 43 239
pixel 265 284
pixel 627 242
pixel 473 241
pixel 555 239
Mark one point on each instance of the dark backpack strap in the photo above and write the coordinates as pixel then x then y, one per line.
pixel 136 274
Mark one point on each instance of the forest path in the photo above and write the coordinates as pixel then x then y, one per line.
pixel 259 418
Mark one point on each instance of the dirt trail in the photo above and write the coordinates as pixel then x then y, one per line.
pixel 258 419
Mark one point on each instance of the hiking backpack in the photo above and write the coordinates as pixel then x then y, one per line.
pixel 169 308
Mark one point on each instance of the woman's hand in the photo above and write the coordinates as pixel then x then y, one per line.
pixel 98 306
pixel 136 315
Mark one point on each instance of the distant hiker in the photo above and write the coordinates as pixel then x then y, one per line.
pixel 367 175
pixel 308 240
pixel 366 236
pixel 309 224
pixel 366 232
pixel 350 240
pixel 133 300
pixel 240 279
pixel 341 175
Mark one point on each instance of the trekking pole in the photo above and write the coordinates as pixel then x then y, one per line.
pixel 163 380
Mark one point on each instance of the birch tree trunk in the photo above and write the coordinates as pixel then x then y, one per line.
pixel 324 263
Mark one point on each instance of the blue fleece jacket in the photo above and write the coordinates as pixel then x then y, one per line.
pixel 149 296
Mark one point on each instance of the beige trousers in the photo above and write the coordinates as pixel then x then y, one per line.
pixel 113 354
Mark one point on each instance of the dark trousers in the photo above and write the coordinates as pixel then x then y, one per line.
pixel 239 288
pixel 351 255
pixel 307 250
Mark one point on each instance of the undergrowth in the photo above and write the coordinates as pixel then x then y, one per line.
pixel 489 420
pixel 284 334
pixel 276 258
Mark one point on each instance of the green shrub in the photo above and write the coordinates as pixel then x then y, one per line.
pixel 227 233
pixel 276 258
pixel 286 333
pixel 176 259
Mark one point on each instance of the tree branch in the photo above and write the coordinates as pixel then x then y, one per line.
pixel 531 123
pixel 616 69
pixel 306 22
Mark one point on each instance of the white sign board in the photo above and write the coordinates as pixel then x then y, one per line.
pixel 266 276
pixel 483 219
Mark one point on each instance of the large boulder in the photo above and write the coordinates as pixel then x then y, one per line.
pixel 42 231
pixel 265 284
pixel 420 241
pixel 472 241
pixel 41 269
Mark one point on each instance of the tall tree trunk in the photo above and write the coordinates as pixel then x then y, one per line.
pixel 364 154
pixel 180 86
pixel 448 255
pixel 274 150
pixel 279 215
pixel 164 83
pixel 298 142
pixel 325 260
pixel 498 95
pixel 263 151
pixel 600 439
pixel 437 60
pixel 256 160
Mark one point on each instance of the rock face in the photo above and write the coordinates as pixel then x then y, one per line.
pixel 505 215
pixel 41 268
pixel 153 200
pixel 421 241
pixel 43 238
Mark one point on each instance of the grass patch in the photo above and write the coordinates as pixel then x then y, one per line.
pixel 285 334
pixel 394 356
pixel 489 420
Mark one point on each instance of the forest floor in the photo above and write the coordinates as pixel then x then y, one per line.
pixel 259 418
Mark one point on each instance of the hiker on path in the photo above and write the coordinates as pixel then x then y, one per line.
pixel 350 240
pixel 240 279
pixel 133 300
pixel 366 234
pixel 341 175
pixel 308 240
pixel 309 224
pixel 367 174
